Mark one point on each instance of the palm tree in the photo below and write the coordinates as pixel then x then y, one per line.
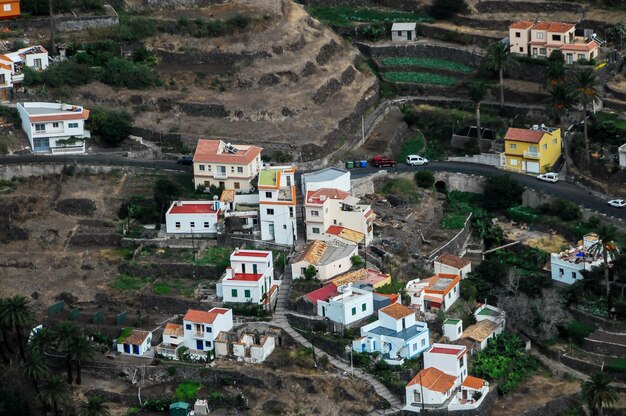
pixel 561 99
pixel 94 406
pixel 498 59
pixel 55 392
pixel 35 367
pixel 598 392
pixel 556 72
pixel 81 349
pixel 605 247
pixel 16 314
pixel 585 85
pixel 477 91
pixel 64 332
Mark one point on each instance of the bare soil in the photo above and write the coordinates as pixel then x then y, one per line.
pixel 550 243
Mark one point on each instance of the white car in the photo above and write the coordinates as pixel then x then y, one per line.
pixel 415 160
pixel 548 177
pixel 617 203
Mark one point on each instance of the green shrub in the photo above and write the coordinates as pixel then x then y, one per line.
pixel 402 187
pixel 187 390
pixel 65 73
pixel 501 192
pixel 521 213
pixel 425 179
pixel 122 73
pixel 561 208
pixel 577 331
pixel 616 365
pixel 357 261
pixel 218 255
pixel 310 272
pixel 411 147
pixel 110 126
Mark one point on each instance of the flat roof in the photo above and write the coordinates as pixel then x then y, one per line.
pixel 250 253
pixel 40 111
pixel 326 174
pixel 405 334
pixel 403 26
pixel 191 208
pixel 247 277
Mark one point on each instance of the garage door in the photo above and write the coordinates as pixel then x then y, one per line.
pixel 532 167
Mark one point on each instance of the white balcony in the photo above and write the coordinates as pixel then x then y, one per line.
pixel 18 77
pixel 220 175
pixel 532 155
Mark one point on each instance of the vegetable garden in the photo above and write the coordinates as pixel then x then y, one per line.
pixel 347 15
pixel 419 78
pixel 427 63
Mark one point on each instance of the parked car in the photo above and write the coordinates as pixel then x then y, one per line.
pixel 380 161
pixel 548 177
pixel 185 160
pixel 617 203
pixel 415 160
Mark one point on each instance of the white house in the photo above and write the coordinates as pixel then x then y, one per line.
pixel 12 67
pixel 201 328
pixel 277 204
pixel 347 305
pixel 487 312
pixel 439 291
pixel 193 217
pixel 250 278
pixel 566 266
pixel 328 207
pixel 451 264
pixel 329 260
pixel 451 359
pixel 197 333
pixel 403 31
pixel 331 177
pixel 54 128
pixel 396 335
pixel 430 387
pixel 250 348
pixel 134 342
pixel 452 329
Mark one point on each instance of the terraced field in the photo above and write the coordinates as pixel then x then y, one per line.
pixel 348 15
pixel 426 63
pixel 419 78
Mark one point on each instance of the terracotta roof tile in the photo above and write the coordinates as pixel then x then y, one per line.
pixel 228 195
pixel 397 311
pixel 580 47
pixel 312 252
pixel 322 293
pixel 524 135
pixel 452 260
pixel 204 317
pixel 136 337
pixel 212 151
pixel 173 329
pixel 433 379
pixel 473 382
pixel 557 27
pixel 346 233
pixel 522 24
pixel 319 196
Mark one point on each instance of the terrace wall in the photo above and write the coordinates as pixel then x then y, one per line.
pixel 461 55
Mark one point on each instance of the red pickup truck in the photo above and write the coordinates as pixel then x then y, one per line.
pixel 380 161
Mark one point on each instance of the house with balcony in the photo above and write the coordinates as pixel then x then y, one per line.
pixel 531 151
pixel 277 204
pixel 54 128
pixel 250 278
pixel 12 66
pixel 226 165
pixel 344 305
pixel 437 292
pixel 444 383
pixel 566 267
pixel 328 260
pixel 328 207
pixel 540 39
pixel 193 217
pixel 397 335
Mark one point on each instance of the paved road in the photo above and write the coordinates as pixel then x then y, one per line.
pixel 561 189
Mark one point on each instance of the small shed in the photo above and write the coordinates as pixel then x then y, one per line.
pixel 179 409
pixel 403 31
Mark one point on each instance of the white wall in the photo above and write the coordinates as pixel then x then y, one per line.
pixel 448 363
pixel 340 182
pixel 185 221
pixel 571 272
pixel 284 220
pixel 30 60
pixel 430 397
pixel 145 346
pixel 452 296
pixel 395 36
pixel 258 354
pixel 445 269
pixel 340 308
pixel 255 290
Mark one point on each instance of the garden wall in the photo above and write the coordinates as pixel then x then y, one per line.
pixel 408 5
pixel 483 410
pixel 607 325
pixel 605 348
pixel 617 93
pixel 171 270
pixel 483 159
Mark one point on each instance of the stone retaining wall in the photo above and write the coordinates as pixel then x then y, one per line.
pixel 447 35
pixel 607 325
pixel 423 51
pixel 604 348
pixel 66 23
pixel 525 6
pixel 619 94
pixel 171 270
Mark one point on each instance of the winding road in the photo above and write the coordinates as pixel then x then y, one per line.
pixel 560 189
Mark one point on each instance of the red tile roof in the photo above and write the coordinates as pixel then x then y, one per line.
pixel 522 24
pixel 71 115
pixel 247 277
pixel 193 208
pixel 473 382
pixel 524 135
pixel 322 293
pixel 443 350
pixel 315 197
pixel 136 337
pixel 220 311
pixel 433 379
pixel 392 297
pixel 553 26
pixel 173 329
pixel 209 151
pixel 251 253
pixel 204 317
pixel 397 311
pixel 452 260
pixel 580 47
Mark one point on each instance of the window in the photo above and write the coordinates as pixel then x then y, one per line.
pixel 581 56
pixel 513 162
pixel 417 398
pixel 544 146
pixel 353 311
pixel 177 224
pixel 7 7
pixel 543 51
pixel 449 295
pixel 553 141
pixel 574 275
pixel 284 226
pixel 556 37
pixel 521 49
pixel 233 292
pixel 518 34
pixel 268 194
pixel 37 63
pixel 201 167
pixel 290 212
pixel 270 211
pixel 188 326
pixel 315 230
pixel 454 289
pixel 239 169
pixel 560 272
pixel 423 342
pixel 208 167
pixel 232 169
pixel 207 183
pixel 40 127
pixel 55 125
pixel 206 224
pixel 246 293
pixel 237 186
pixel 461 362
pixel 363 307
pixel 591 55
pixel 539 35
pixel 208 329
pixel 458 330
pixel 207 344
pixel 414 346
pixel 72 125
pixel 513 146
pixel 399 33
pixel 315 213
pixel 192 224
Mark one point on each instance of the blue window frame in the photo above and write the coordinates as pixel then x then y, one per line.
pixel 188 326
pixel 41 144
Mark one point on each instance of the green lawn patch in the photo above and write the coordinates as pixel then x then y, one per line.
pixel 577 331
pixel 127 283
pixel 427 63
pixel 611 118
pixel 219 256
pixel 454 220
pixel 187 390
pixel 161 288
pixel 412 147
pixel 420 78
pixel 616 365
pixel 403 187
pixel 348 15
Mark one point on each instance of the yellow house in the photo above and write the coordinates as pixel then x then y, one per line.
pixel 225 165
pixel 531 151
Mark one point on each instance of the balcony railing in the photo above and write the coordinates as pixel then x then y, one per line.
pixel 532 155
pixel 198 335
pixel 220 175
